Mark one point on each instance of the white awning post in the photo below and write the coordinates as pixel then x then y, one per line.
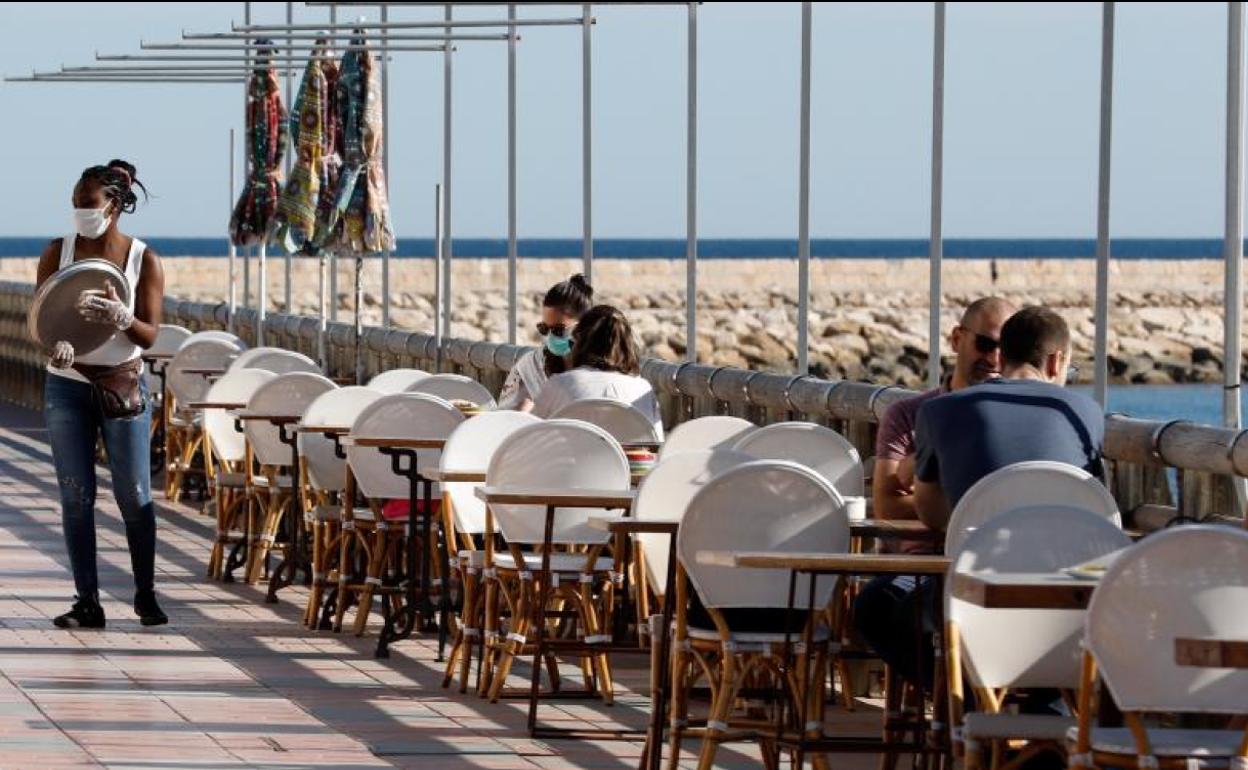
pixel 1234 243
pixel 333 255
pixel 232 252
pixel 290 149
pixel 438 299
pixel 385 150
pixel 448 250
pixel 936 242
pixel 691 191
pixel 587 165
pixel 1101 313
pixel 513 255
pixel 803 204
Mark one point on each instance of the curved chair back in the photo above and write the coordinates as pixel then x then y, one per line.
pixel 246 356
pixel 396 380
pixel 1188 582
pixel 282 362
pixel 168 340
pixel 624 422
pixel 1021 485
pixel 285 394
pixel 398 415
pixel 469 449
pixel 819 448
pixel 198 354
pixel 1027 647
pixel 228 443
pixel 713 432
pixel 556 454
pixel 764 505
pixel 454 387
pixel 665 494
pixel 332 409
pixel 219 336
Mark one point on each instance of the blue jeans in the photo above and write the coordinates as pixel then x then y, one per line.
pixel 886 614
pixel 74 422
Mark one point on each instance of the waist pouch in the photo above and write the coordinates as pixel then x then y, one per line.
pixel 118 389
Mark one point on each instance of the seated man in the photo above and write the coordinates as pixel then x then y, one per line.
pixel 964 436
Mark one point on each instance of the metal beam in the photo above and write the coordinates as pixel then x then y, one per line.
pixel 372 25
pixel 936 243
pixel 803 201
pixel 1100 387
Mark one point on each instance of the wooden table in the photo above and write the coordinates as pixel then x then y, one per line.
pixel 1211 653
pixel 397 442
pixel 815 565
pixel 205 371
pixel 552 499
pixel 1049 591
pixel 895 529
pixel 229 405
pixel 471 477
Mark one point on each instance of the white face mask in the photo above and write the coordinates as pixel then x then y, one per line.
pixel 91 223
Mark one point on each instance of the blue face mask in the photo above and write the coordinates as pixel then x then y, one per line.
pixel 559 346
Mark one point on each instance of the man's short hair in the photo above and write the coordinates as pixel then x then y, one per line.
pixel 985 305
pixel 1033 334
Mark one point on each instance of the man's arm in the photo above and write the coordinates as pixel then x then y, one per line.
pixel 891 493
pixel 930 505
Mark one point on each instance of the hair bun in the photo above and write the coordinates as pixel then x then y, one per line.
pixel 125 168
pixel 579 282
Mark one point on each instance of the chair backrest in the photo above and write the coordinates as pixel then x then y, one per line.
pixel 556 454
pixel 764 505
pixel 453 387
pixel 246 356
pixel 283 362
pixel 665 494
pixel 1021 485
pixel 624 422
pixel 819 448
pixel 331 409
pixel 469 449
pixel 1186 582
pixel 215 334
pixel 398 415
pixel 228 443
pixel 396 380
pixel 713 432
pixel 285 394
pixel 1027 647
pixel 168 340
pixel 200 354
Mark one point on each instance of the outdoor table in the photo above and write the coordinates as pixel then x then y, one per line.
pixel 206 371
pixel 1037 591
pixel 471 477
pixel 293 559
pixel 816 565
pixel 552 499
pixel 895 529
pixel 228 405
pixel 420 487
pixel 1211 653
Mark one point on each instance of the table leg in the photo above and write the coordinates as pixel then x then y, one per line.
pixel 444 565
pixel 539 614
pixel 653 756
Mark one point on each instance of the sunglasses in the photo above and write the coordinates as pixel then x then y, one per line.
pixel 559 330
pixel 983 343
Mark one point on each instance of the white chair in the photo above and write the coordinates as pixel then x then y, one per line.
pixel 1184 583
pixel 217 335
pixel 713 432
pixel 396 380
pixel 764 505
pixel 325 476
pixel 552 454
pixel 168 340
pixel 817 447
pixel 183 434
pixel 1039 482
pixel 285 394
pixel 247 355
pixel 1009 649
pixel 405 415
pixel 469 450
pixel 227 464
pixel 283 362
pixel 454 387
pixel 624 422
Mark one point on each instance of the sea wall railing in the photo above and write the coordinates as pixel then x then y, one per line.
pixel 1159 471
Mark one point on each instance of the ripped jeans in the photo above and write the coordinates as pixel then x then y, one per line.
pixel 74 422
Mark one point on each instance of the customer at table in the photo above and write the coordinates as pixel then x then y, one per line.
pixel 976 342
pixel 562 307
pixel 604 363
pixel 961 437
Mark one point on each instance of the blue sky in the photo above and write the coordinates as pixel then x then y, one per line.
pixel 1021 120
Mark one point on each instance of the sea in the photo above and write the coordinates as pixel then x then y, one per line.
pixel 1199 403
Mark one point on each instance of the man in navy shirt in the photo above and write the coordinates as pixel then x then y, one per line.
pixel 962 437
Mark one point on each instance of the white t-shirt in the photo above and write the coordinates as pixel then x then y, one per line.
pixel 583 383
pixel 525 381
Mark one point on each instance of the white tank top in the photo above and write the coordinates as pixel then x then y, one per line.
pixel 119 349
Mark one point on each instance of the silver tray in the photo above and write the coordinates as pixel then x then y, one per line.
pixel 53 317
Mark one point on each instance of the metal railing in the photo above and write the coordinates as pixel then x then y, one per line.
pixel 1141 454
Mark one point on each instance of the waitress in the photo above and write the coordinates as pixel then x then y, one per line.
pixel 101 393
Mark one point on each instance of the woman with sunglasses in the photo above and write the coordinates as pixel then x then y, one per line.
pixel 562 307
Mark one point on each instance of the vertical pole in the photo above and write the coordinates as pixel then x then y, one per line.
pixel 246 158
pixel 448 249
pixel 290 150
pixel 438 299
pixel 1101 364
pixel 1234 246
pixel 691 192
pixel 359 318
pixel 936 243
pixel 232 293
pixel 322 324
pixel 333 256
pixel 803 203
pixel 385 149
pixel 262 292
pixel 587 165
pixel 513 257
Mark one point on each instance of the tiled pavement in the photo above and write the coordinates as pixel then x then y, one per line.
pixel 232 682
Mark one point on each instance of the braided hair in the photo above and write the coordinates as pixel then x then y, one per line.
pixel 117 181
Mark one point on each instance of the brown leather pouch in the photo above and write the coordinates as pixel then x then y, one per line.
pixel 117 388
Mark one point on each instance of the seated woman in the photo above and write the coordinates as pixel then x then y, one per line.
pixel 562 307
pixel 604 364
